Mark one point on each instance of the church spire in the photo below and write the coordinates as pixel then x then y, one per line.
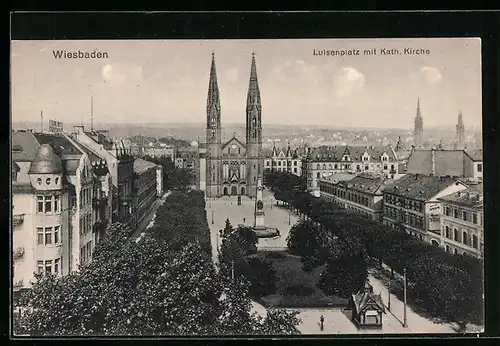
pixel 418 108
pixel 253 96
pixel 213 107
pixel 213 100
pixel 419 127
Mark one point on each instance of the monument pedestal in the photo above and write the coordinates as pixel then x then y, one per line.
pixel 260 229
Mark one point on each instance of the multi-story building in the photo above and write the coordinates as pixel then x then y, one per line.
pixel 160 150
pixel 412 204
pixel 443 162
pixel 54 197
pixel 329 186
pixel 120 163
pixel 187 157
pixel 145 187
pixel 462 230
pixel 323 161
pixel 284 161
pixel 362 194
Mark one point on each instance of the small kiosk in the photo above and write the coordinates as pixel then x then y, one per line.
pixel 367 308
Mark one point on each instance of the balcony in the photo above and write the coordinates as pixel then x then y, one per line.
pixel 18 253
pixel 18 219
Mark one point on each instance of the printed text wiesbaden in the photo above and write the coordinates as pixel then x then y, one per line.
pixel 63 54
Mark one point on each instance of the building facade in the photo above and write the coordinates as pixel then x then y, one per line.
pixel 145 187
pixel 321 162
pixel 361 194
pixel 462 230
pixel 233 167
pixel 55 199
pixel 284 160
pixel 120 163
pixel 412 204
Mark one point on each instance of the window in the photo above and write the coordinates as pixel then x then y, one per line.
pixel 447 211
pixel 56 266
pixel 295 170
pixel 447 248
pixel 447 232
pixel 48 266
pixel 56 181
pixel 254 167
pixel 56 235
pixel 267 163
pixel 479 167
pixel 279 163
pixel 392 168
pixel 47 181
pixel 40 235
pixel 56 204
pixel 455 235
pixel 336 166
pixel 465 216
pixel 39 267
pixel 39 181
pixel 455 251
pixel 39 207
pixel 295 163
pixel 318 175
pixel 455 213
pixel 474 218
pixel 474 241
pixel 48 204
pixel 385 167
pixel 465 238
pixel 48 235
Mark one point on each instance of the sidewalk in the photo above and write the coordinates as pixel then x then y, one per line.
pixel 148 220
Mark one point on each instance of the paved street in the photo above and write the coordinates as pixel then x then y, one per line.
pixel 148 221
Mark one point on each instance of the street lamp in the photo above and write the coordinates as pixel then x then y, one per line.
pixel 389 294
pixel 289 219
pixel 212 217
pixel 405 324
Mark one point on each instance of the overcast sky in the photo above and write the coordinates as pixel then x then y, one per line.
pixel 167 81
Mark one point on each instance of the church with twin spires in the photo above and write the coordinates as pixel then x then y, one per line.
pixel 233 167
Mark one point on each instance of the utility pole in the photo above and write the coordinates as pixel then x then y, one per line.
pixel 212 217
pixel 389 293
pixel 41 121
pixel 405 324
pixel 91 114
pixel 232 270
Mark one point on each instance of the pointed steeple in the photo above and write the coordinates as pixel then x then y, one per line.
pixel 275 152
pixel 460 135
pixel 460 119
pixel 253 96
pixel 418 108
pixel 288 151
pixel 419 127
pixel 213 99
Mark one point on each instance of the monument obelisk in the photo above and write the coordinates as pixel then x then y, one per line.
pixel 259 206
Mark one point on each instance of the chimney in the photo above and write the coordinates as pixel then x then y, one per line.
pixel 433 161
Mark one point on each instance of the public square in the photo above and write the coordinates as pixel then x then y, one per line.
pixel 336 320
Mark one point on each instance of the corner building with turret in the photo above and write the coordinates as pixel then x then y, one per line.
pixel 232 167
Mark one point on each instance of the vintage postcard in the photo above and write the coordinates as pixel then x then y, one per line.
pixel 246 187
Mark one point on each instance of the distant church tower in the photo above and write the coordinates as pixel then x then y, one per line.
pixel 213 135
pixel 418 132
pixel 255 161
pixel 460 136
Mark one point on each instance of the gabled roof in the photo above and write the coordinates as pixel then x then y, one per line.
pixel 365 297
pixel 420 187
pixel 355 153
pixel 93 156
pixel 233 140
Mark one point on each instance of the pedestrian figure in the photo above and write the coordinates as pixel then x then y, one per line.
pixel 322 321
pixel 278 232
pixel 243 220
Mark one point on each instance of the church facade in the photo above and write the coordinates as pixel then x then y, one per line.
pixel 232 167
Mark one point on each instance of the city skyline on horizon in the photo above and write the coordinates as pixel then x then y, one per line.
pixel 348 92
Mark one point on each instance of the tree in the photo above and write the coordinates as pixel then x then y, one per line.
pixel 144 288
pixel 236 245
pixel 304 239
pixel 261 275
pixel 344 274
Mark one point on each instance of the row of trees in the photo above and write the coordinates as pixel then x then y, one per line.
pixel 162 284
pixel 447 286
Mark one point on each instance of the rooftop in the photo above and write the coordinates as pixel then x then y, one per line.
pixel 141 166
pixel 471 197
pixel 24 146
pixel 419 187
pixel 46 161
pixel 366 183
pixel 355 153
pixel 446 162
pixel 475 155
pixel 338 177
pixel 61 144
